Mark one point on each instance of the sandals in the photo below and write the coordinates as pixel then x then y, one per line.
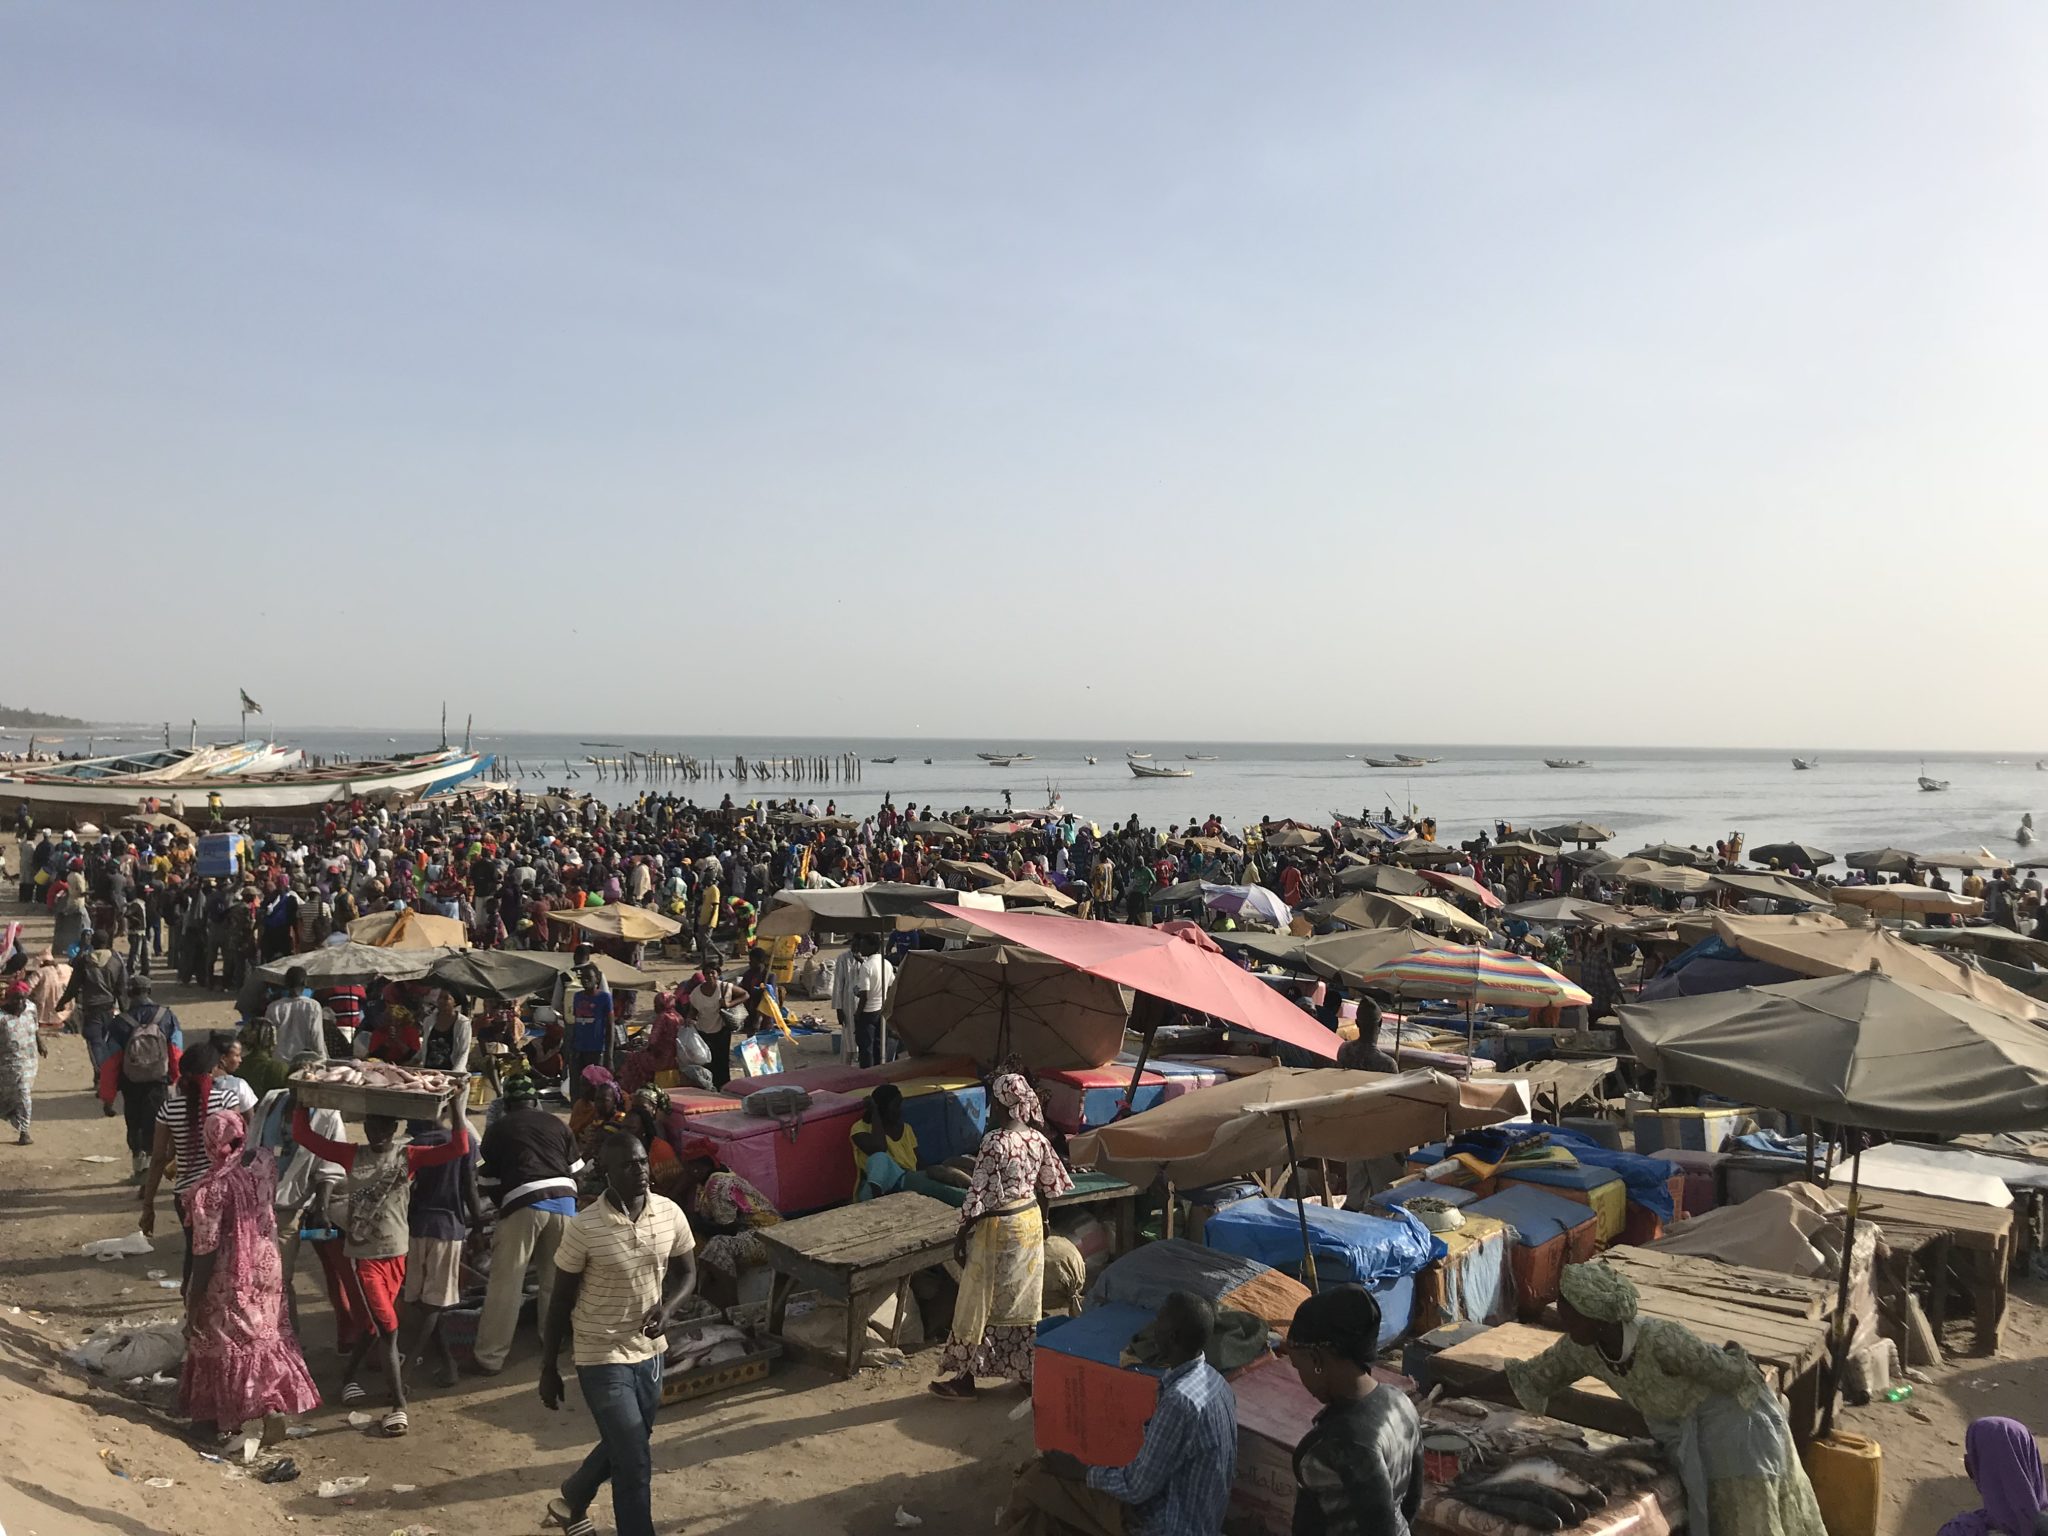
pixel 954 1387
pixel 395 1424
pixel 352 1393
pixel 571 1525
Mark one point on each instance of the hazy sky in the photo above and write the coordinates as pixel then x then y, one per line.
pixel 1597 372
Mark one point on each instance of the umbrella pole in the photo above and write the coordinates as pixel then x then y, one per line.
pixel 1471 1039
pixel 1308 1253
pixel 1839 1348
pixel 1155 1010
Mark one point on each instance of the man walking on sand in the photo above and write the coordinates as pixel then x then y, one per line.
pixel 627 1263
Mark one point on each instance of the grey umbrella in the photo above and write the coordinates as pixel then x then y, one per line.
pixel 1883 861
pixel 1671 853
pixel 1577 832
pixel 1383 878
pixel 1804 855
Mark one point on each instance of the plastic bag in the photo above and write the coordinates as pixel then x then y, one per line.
pixel 134 1245
pixel 691 1050
pixel 128 1350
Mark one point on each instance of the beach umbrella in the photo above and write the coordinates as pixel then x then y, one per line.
pixel 1516 848
pixel 1247 901
pixel 1422 851
pixel 1902 900
pixel 1029 893
pixel 1804 855
pixel 1583 857
pixel 1979 858
pixel 509 973
pixel 995 1000
pixel 408 929
pixel 1565 909
pixel 350 964
pixel 1281 949
pixel 1473 974
pixel 1178 963
pixel 973 869
pixel 1819 945
pixel 1294 837
pixel 1385 878
pixel 1577 832
pixel 1670 853
pixel 1351 955
pixel 1882 861
pixel 1771 887
pixel 633 925
pixel 1864 1050
pixel 883 907
pixel 1464 885
pixel 1180 890
pixel 1374 909
pixel 1984 938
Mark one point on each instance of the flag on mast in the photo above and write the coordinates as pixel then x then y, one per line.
pixel 249 705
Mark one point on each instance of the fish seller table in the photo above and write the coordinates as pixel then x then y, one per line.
pixel 850 1253
pixel 1973 1241
pixel 1103 1189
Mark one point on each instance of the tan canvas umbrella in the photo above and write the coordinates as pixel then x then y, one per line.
pixel 1374 909
pixel 884 907
pixel 1839 950
pixel 409 930
pixel 1979 858
pixel 973 869
pixel 1236 1128
pixel 1387 879
pixel 997 999
pixel 1348 956
pixel 635 925
pixel 1294 837
pixel 1028 893
pixel 1775 887
pixel 1904 900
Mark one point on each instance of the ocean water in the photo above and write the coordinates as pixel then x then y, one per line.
pixel 1850 801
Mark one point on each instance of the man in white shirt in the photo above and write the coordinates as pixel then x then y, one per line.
pixel 296 1017
pixel 872 977
pixel 844 971
pixel 626 1265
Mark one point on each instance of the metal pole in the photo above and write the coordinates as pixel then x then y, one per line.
pixel 1155 1010
pixel 1839 1341
pixel 1308 1253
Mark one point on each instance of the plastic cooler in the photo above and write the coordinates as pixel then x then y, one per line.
pixel 1645 1226
pixel 1601 1190
pixel 1401 1194
pixel 949 1115
pixel 689 1102
pixel 1082 1401
pixel 1472 1283
pixel 1693 1130
pixel 832 1078
pixel 1180 1077
pixel 800 1165
pixel 1082 1098
pixel 1550 1232
pixel 1702 1178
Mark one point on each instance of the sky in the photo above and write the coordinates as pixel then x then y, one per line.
pixel 1603 372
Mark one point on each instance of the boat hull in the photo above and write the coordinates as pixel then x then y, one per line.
pixel 267 797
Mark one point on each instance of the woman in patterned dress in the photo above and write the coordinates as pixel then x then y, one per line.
pixel 1001 1246
pixel 21 1052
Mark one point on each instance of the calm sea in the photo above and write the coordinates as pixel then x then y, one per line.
pixel 1852 800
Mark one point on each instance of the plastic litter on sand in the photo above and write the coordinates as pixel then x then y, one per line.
pixel 156 1482
pixel 361 1420
pixel 342 1487
pixel 905 1520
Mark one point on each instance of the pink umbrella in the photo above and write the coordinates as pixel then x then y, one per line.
pixel 1462 885
pixel 1179 963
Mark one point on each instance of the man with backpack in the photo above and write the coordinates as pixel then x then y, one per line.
pixel 99 981
pixel 146 1042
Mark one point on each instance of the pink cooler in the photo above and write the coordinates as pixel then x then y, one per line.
pixel 841 1077
pixel 805 1165
pixel 1084 1097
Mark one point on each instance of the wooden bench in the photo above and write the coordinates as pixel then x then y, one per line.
pixel 1103 1189
pixel 1943 1236
pixel 850 1253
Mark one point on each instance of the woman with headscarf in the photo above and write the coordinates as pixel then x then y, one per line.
pixel 724 1210
pixel 1001 1245
pixel 1708 1408
pixel 21 1053
pixel 242 1361
pixel 2004 1462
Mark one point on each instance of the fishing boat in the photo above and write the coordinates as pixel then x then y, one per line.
pixel 1138 757
pixel 1199 757
pixel 1932 786
pixel 881 759
pixel 1147 771
pixel 1414 762
pixel 1564 762
pixel 254 786
pixel 1091 762
pixel 1383 762
pixel 1004 759
pixel 1805 762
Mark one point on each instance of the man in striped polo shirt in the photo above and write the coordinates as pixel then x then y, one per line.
pixel 627 1264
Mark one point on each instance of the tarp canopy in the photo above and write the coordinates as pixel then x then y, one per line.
pixel 348 964
pixel 1862 1050
pixel 1813 950
pixel 634 925
pixel 510 973
pixel 995 1000
pixel 883 907
pixel 1234 1128
pixel 1178 963
pixel 409 930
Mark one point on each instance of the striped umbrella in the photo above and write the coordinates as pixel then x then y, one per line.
pixel 1469 973
pixel 1475 976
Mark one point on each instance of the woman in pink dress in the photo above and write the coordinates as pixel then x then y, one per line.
pixel 242 1361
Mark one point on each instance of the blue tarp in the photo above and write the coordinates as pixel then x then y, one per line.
pixel 1348 1245
pixel 1099 1334
pixel 1151 1272
pixel 1536 1214
pixel 1648 1178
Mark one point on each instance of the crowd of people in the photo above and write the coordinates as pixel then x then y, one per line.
pixel 581 1178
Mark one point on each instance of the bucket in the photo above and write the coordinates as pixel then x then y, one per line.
pixel 1444 1457
pixel 1848 1482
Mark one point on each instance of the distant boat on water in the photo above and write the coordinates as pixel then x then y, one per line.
pixel 1407 761
pixel 1147 771
pixel 1383 762
pixel 1199 757
pixel 1805 762
pixel 1138 757
pixel 1932 786
pixel 881 759
pixel 1564 762
pixel 1091 762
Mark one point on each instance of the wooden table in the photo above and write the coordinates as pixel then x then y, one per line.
pixel 850 1253
pixel 1102 1189
pixel 1781 1321
pixel 1974 1240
